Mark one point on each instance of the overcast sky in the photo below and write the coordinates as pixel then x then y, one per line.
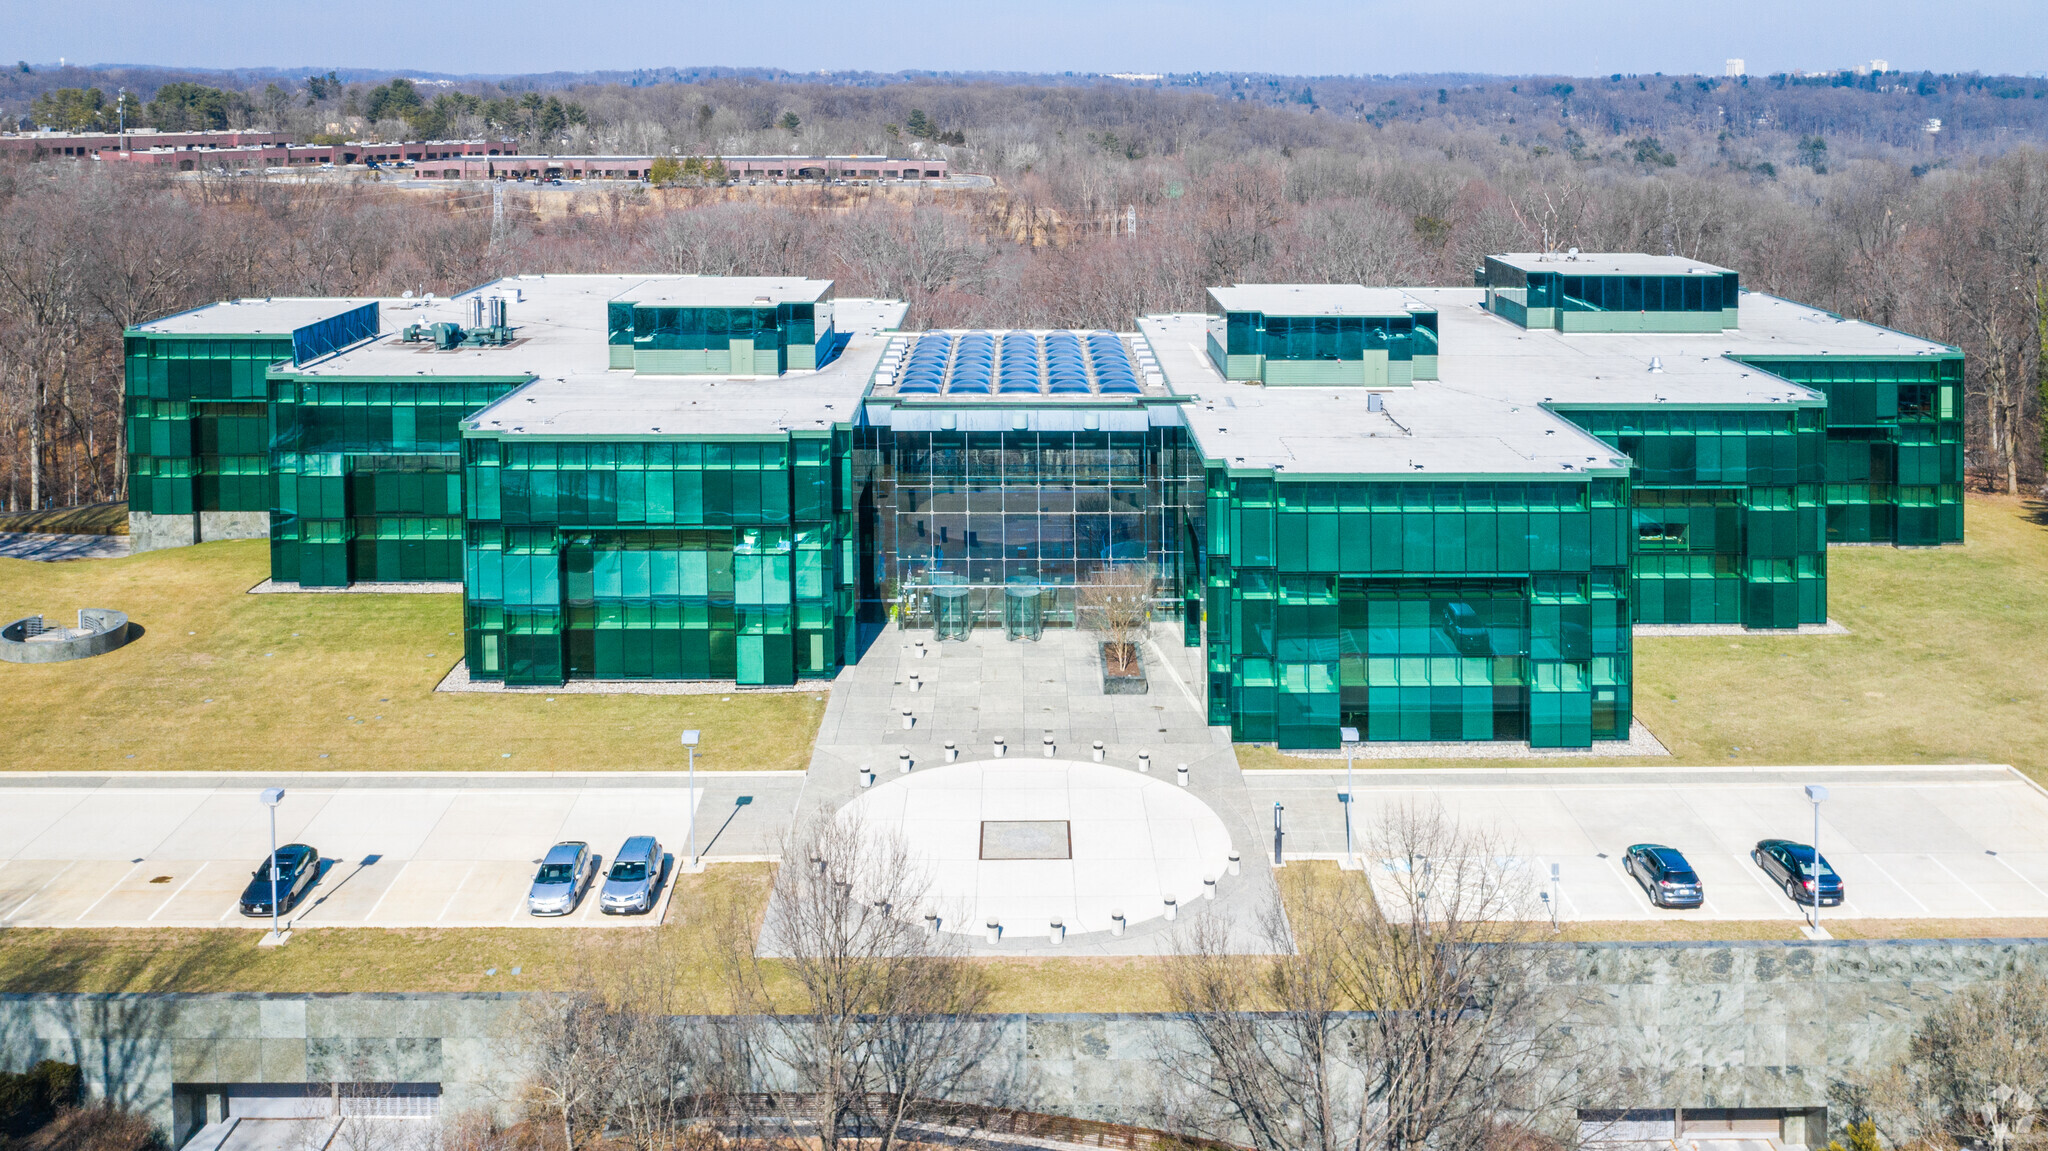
pixel 1304 37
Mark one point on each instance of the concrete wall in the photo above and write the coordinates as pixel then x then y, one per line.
pixel 1705 1025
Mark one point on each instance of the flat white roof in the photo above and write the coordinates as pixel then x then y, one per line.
pixel 726 291
pixel 1427 431
pixel 1609 264
pixel 1494 407
pixel 273 316
pixel 1315 300
pixel 612 404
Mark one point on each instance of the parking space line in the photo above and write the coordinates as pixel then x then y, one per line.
pixel 1750 868
pixel 132 869
pixel 455 894
pixel 38 891
pixel 1879 868
pixel 371 914
pixel 181 889
pixel 1988 905
pixel 1635 890
pixel 2022 876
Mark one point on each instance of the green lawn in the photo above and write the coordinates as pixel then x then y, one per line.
pixel 1942 666
pixel 221 680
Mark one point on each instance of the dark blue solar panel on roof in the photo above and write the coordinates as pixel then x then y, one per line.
pixel 918 387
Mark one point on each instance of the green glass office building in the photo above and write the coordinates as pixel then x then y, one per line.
pixel 1426 513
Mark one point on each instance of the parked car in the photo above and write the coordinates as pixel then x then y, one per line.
pixel 565 874
pixel 297 867
pixel 635 877
pixel 1665 875
pixel 1792 866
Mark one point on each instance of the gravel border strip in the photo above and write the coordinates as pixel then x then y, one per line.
pixel 423 587
pixel 458 679
pixel 1682 630
pixel 1639 743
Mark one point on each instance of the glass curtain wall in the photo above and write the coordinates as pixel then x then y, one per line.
pixel 1417 611
pixel 658 560
pixel 198 428
pixel 369 479
pixel 1894 460
pixel 1007 508
pixel 1728 517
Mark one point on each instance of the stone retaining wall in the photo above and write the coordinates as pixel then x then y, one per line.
pixel 1677 1025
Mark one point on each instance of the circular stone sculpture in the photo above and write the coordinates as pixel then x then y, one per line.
pixel 31 640
pixel 1032 842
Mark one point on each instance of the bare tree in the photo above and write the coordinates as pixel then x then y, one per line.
pixel 560 1037
pixel 1402 1016
pixel 1115 601
pixel 1976 1074
pixel 876 1020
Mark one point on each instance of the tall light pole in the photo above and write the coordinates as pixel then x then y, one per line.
pixel 1818 795
pixel 1350 737
pixel 690 741
pixel 272 796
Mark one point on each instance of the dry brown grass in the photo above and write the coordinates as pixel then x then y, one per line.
pixel 221 680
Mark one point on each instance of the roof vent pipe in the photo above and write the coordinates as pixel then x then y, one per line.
pixel 1656 364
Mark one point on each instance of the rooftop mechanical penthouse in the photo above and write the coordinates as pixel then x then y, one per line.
pixel 1429 513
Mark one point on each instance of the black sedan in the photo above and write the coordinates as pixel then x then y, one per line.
pixel 297 867
pixel 1792 866
pixel 1665 875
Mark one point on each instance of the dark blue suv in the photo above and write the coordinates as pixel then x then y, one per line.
pixel 1665 875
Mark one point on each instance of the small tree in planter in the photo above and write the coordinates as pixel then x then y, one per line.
pixel 1115 602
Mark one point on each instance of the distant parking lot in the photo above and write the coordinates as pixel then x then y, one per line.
pixel 179 853
pixel 1908 842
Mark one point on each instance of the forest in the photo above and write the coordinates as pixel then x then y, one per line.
pixel 1915 201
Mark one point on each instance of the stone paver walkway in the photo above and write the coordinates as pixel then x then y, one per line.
pixel 985 687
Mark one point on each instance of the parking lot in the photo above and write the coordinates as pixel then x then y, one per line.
pixel 447 851
pixel 1908 842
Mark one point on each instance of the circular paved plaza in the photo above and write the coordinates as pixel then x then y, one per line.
pixel 1028 842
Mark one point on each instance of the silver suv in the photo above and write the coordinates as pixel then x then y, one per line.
pixel 635 877
pixel 564 876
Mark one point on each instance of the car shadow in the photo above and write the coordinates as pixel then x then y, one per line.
pixel 668 869
pixel 326 866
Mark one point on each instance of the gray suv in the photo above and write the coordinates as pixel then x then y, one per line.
pixel 564 875
pixel 635 877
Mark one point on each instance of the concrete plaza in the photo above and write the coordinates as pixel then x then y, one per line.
pixel 1043 699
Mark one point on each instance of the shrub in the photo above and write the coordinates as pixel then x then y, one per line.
pixel 30 1099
